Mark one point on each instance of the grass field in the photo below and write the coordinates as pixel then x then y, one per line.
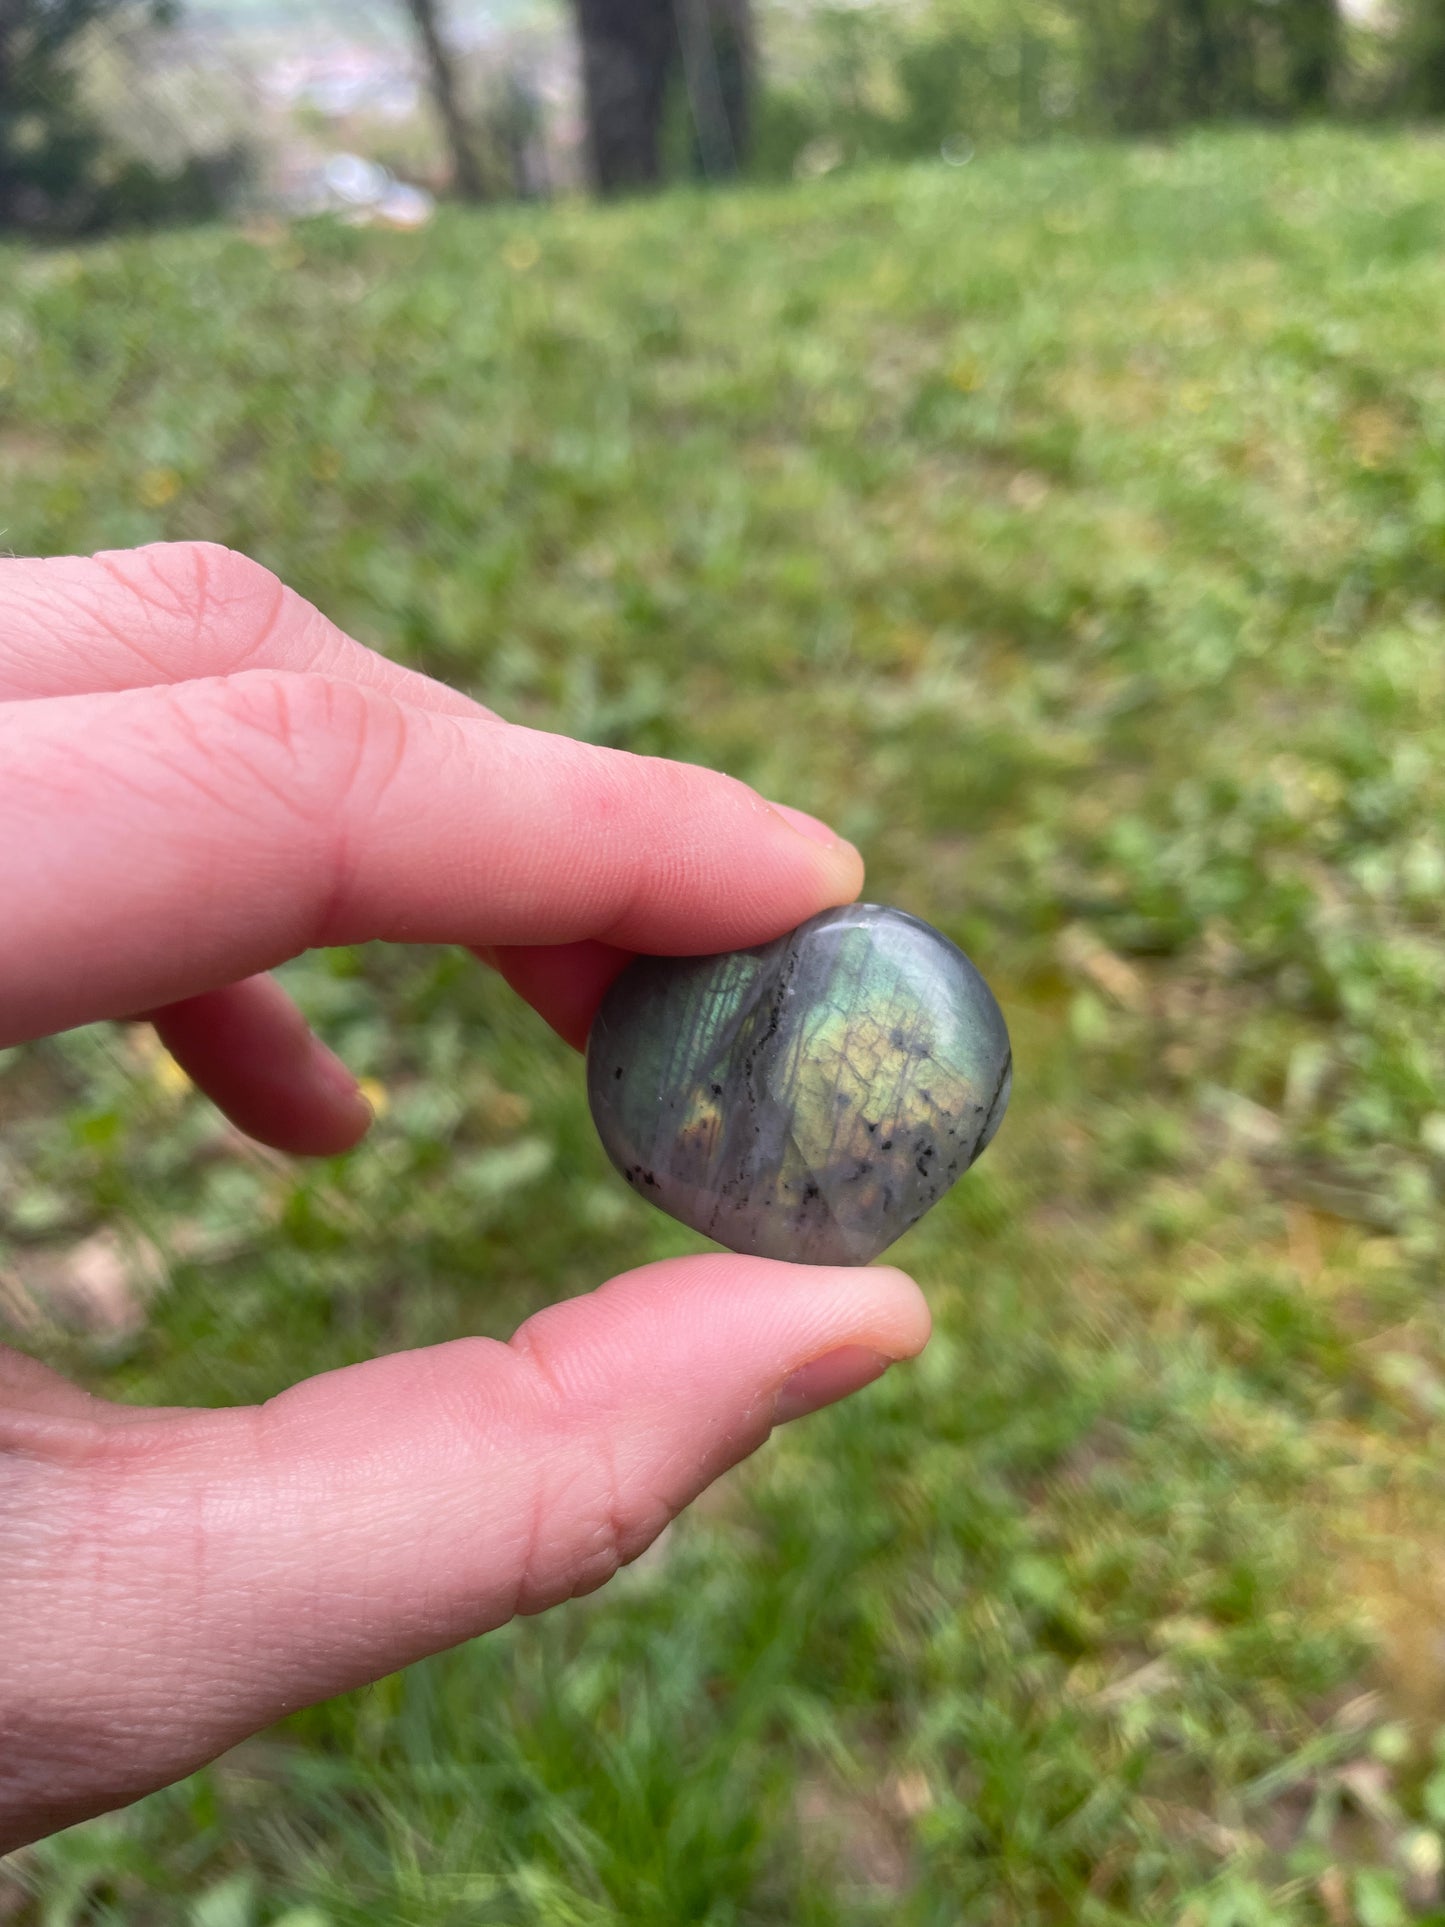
pixel 1070 530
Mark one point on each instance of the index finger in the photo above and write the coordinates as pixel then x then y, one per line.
pixel 158 843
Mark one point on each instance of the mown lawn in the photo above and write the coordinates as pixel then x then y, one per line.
pixel 1070 529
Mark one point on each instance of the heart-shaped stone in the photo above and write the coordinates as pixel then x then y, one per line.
pixel 806 1099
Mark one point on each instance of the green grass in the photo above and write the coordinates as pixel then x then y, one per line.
pixel 1070 529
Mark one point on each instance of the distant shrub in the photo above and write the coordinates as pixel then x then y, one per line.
pixel 903 79
pixel 60 173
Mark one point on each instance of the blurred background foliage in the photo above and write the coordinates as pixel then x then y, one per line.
pixel 116 112
pixel 1066 522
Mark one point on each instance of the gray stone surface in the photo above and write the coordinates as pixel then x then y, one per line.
pixel 810 1098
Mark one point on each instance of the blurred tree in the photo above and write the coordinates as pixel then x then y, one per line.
pixel 1420 86
pixel 849 82
pixel 49 145
pixel 1314 33
pixel 468 176
pixel 60 172
pixel 1200 60
pixel 716 43
pixel 518 123
pixel 626 54
pixel 1203 41
pixel 632 50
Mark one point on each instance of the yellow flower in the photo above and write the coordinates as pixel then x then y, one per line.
pixel 169 1075
pixel 156 487
pixel 374 1091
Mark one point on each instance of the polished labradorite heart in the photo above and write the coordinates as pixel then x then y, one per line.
pixel 807 1099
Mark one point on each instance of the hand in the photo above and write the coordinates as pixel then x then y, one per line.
pixel 199 778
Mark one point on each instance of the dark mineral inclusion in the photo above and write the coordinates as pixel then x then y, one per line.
pixel 807 1099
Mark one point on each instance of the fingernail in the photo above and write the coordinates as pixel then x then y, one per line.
pixel 823 1381
pixel 810 827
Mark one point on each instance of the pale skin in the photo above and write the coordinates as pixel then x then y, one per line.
pixel 200 777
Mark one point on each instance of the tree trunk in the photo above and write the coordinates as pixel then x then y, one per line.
pixel 1203 75
pixel 467 176
pixel 627 53
pixel 715 38
pixel 1106 85
pixel 1423 79
pixel 1150 103
pixel 10 105
pixel 1313 27
pixel 631 51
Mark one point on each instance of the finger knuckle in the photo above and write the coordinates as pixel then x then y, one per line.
pixel 200 571
pixel 195 583
pixel 317 745
pixel 172 610
pixel 297 711
pixel 585 1528
pixel 586 1519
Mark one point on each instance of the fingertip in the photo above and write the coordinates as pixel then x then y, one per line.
pixel 907 1309
pixel 878 1307
pixel 251 1051
pixel 812 827
pixel 334 1076
pixel 326 1112
pixel 896 1327
pixel 756 1319
pixel 823 1381
pixel 840 862
pixel 843 869
pixel 352 1116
